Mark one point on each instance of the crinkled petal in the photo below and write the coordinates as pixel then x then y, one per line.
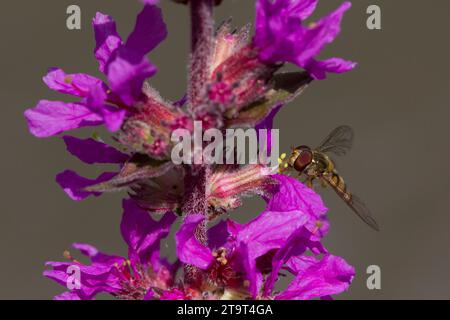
pixel 319 69
pixel 107 39
pixel 267 123
pixel 291 194
pixel 78 84
pixel 94 278
pixel 149 31
pixel 218 235
pixel 127 73
pixel 67 296
pixel 74 185
pixel 112 116
pixel 143 234
pixel 270 230
pixel 50 118
pixel 92 151
pixel 173 294
pixel 318 278
pixel 189 249
pixel 313 39
pixel 280 35
pixel 295 246
pixel 267 232
pixel 151 2
pixel 96 256
pixel 248 264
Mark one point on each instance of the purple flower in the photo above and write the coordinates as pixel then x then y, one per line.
pixel 234 82
pixel 132 278
pixel 281 36
pixel 126 67
pixel 242 255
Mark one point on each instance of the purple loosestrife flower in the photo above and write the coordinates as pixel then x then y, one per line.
pixel 125 66
pixel 281 37
pixel 135 277
pixel 244 261
pixel 235 81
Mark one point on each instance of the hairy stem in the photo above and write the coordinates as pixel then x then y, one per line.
pixel 202 24
pixel 194 202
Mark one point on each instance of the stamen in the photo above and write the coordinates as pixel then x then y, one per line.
pixel 68 80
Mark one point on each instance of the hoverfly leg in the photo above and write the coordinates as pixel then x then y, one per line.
pixel 309 182
pixel 323 183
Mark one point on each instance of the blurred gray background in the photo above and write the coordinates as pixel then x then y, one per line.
pixel 397 100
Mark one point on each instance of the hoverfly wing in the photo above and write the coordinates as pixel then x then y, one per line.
pixel 339 141
pixel 363 212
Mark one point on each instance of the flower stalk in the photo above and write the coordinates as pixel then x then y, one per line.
pixel 202 29
pixel 202 35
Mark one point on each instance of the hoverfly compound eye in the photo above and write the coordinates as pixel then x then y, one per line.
pixel 303 160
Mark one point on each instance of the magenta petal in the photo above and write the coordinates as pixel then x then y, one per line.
pixel 50 118
pixel 218 235
pixel 267 123
pixel 127 73
pixel 86 249
pixel 324 32
pixel 318 278
pixel 281 37
pixel 67 296
pixel 319 69
pixel 248 263
pixel 96 256
pixel 151 2
pixel 295 246
pixel 74 185
pixel 143 234
pixel 270 230
pixel 291 194
pixel 95 278
pixel 91 151
pixel 149 31
pixel 75 84
pixel 294 195
pixel 303 9
pixel 189 249
pixel 107 39
pixel 267 232
pixel 114 119
pixel 112 116
pixel 129 68
pixel 96 98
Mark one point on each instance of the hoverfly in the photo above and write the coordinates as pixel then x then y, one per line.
pixel 316 164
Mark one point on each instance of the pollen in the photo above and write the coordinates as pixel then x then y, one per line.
pixel 68 80
pixel 281 158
